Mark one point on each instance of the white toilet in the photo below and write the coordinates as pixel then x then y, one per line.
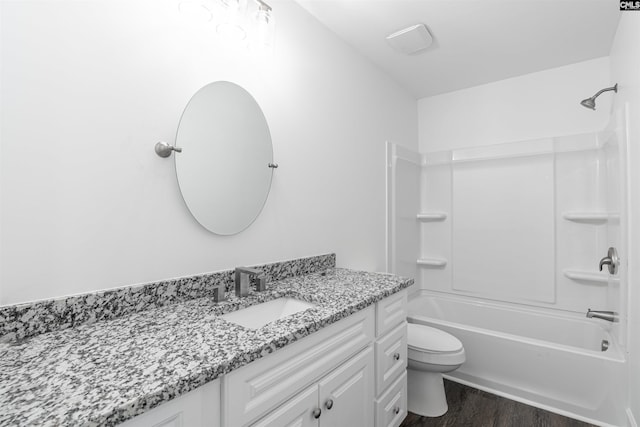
pixel 431 353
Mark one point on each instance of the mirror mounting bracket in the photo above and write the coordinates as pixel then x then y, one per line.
pixel 164 150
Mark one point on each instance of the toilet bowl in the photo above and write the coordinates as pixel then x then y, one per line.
pixel 432 352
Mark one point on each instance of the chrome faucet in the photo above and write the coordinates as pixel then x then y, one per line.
pixel 243 275
pixel 610 316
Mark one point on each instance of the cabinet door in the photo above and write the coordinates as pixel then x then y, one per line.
pixel 346 394
pixel 296 412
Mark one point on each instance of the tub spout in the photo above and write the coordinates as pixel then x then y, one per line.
pixel 610 316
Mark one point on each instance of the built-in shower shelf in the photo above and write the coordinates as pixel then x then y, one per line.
pixel 591 217
pixel 590 276
pixel 432 262
pixel 431 216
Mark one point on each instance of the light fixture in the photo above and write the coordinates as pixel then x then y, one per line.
pixel 247 23
pixel 233 25
pixel 195 10
pixel 410 40
pixel 262 28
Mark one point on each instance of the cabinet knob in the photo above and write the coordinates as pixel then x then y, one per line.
pixel 396 410
pixel 328 404
pixel 316 413
pixel 396 356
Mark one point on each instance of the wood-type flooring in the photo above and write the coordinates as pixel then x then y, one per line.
pixel 469 407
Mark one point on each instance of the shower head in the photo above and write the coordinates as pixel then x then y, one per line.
pixel 591 102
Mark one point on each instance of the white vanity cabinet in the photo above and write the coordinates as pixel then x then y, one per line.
pixel 391 360
pixel 349 374
pixel 336 361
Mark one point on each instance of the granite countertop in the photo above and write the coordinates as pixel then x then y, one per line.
pixel 107 372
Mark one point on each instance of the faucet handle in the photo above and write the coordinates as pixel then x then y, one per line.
pixel 611 261
pixel 219 293
pixel 261 283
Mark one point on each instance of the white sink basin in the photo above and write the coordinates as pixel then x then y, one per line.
pixel 258 315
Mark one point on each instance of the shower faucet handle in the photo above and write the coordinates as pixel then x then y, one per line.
pixel 611 261
pixel 605 261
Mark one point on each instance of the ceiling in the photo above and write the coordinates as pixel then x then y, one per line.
pixel 475 41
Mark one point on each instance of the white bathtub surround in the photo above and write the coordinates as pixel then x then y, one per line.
pixel 524 222
pixel 537 356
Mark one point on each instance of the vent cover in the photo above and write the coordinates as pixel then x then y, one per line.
pixel 411 40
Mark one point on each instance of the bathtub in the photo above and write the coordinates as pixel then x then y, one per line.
pixel 548 360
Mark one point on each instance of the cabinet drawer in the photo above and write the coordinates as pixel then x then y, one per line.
pixel 391 408
pixel 253 390
pixel 198 408
pixel 391 311
pixel 391 357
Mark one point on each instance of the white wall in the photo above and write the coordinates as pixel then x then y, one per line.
pixel 625 69
pixel 88 88
pixel 532 106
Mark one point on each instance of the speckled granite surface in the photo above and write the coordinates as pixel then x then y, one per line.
pixel 30 319
pixel 107 372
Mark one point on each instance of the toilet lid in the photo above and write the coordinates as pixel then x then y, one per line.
pixel 428 339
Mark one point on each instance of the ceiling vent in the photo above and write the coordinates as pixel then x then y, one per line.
pixel 411 40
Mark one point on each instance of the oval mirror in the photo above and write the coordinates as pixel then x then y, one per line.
pixel 224 169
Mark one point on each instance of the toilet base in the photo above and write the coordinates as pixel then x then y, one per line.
pixel 426 395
